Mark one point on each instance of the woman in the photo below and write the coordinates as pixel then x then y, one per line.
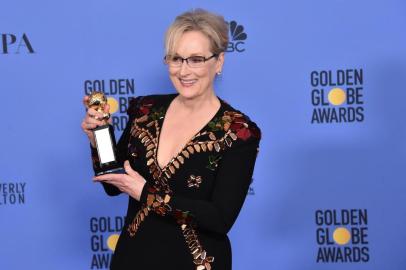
pixel 188 157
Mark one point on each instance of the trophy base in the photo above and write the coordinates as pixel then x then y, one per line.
pixel 115 170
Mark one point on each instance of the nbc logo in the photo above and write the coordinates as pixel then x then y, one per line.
pixel 237 37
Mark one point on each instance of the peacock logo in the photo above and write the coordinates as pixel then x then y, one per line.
pixel 237 37
pixel 237 31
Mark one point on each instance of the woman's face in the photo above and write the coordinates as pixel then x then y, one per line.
pixel 197 81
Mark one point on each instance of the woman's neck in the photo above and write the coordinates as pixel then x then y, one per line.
pixel 199 103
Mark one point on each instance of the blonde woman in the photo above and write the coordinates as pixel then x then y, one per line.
pixel 188 157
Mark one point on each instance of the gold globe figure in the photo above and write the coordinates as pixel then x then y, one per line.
pixel 98 101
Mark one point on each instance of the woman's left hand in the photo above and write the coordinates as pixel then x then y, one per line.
pixel 131 183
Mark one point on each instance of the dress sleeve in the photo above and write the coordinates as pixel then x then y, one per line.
pixel 232 183
pixel 122 149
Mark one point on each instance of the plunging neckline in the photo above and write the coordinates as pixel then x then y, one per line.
pixel 161 124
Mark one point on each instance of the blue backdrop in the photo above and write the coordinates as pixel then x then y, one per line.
pixel 325 81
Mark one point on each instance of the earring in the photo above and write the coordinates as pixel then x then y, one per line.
pixel 219 73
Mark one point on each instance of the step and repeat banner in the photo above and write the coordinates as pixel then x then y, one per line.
pixel 324 80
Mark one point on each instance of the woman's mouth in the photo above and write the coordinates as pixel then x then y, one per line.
pixel 187 83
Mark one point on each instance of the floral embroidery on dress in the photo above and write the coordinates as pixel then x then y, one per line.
pixel 194 181
pixel 213 162
pixel 143 107
pixel 219 134
pixel 237 123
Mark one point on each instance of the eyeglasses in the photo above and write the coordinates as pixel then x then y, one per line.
pixel 192 61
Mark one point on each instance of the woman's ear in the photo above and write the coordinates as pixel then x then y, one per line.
pixel 220 63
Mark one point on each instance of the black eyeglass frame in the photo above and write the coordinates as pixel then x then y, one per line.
pixel 187 59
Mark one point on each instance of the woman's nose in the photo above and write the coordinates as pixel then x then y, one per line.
pixel 184 69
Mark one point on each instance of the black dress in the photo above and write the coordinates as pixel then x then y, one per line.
pixel 187 207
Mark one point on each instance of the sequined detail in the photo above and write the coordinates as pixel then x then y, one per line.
pixel 146 128
pixel 195 146
pixel 157 203
pixel 233 123
pixel 138 219
pixel 200 258
pixel 194 181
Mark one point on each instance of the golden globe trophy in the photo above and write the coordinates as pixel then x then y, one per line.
pixel 104 137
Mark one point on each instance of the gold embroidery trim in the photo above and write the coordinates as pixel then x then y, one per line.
pixel 200 258
pixel 199 146
pixel 160 205
pixel 138 219
pixel 161 176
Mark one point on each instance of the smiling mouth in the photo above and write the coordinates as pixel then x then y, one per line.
pixel 187 83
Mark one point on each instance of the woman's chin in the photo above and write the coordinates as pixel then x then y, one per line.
pixel 187 92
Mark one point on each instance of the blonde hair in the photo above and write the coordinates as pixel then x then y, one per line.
pixel 213 26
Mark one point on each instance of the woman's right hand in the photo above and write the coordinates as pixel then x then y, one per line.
pixel 92 120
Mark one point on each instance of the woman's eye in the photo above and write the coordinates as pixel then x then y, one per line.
pixel 196 59
pixel 176 59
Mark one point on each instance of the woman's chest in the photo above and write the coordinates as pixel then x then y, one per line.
pixel 191 171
